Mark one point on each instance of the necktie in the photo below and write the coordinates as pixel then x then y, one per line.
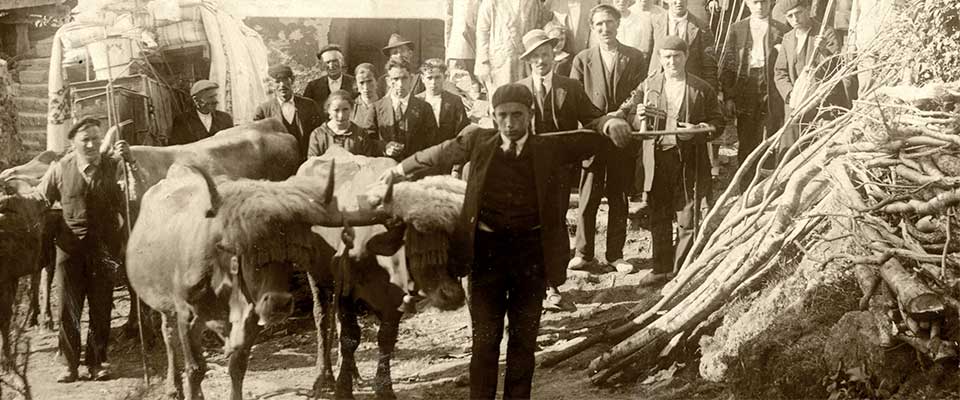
pixel 677 29
pixel 512 150
pixel 541 92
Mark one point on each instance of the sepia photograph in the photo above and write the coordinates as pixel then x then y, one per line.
pixel 479 199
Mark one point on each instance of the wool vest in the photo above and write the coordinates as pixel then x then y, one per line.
pixel 509 201
pixel 90 209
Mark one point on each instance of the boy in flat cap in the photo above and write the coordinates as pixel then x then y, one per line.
pixel 512 234
pixel 300 115
pixel 332 80
pixel 204 120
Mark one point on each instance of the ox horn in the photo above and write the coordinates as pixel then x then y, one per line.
pixel 331 178
pixel 215 199
pixel 388 195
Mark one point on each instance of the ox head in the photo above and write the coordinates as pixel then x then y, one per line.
pixel 20 224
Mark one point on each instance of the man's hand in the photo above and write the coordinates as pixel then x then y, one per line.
pixel 819 43
pixel 684 125
pixel 122 149
pixel 394 174
pixel 650 111
pixel 730 107
pixel 619 132
pixel 393 149
pixel 713 6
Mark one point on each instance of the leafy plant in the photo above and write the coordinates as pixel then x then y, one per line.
pixel 853 383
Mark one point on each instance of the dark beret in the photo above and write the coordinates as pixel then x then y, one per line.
pixel 329 47
pixel 280 72
pixel 512 93
pixel 202 85
pixel 674 43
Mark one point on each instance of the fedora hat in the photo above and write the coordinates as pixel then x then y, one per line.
pixel 536 38
pixel 395 41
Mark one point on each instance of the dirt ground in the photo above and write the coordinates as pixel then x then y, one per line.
pixel 431 358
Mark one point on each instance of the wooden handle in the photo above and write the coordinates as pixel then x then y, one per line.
pixel 641 133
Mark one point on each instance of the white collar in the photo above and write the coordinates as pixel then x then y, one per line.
pixel 679 19
pixel 340 79
pixel 82 163
pixel 280 100
pixel 520 142
pixel 427 95
pixel 400 100
pixel 547 81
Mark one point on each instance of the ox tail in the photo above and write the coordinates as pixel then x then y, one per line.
pixel 215 200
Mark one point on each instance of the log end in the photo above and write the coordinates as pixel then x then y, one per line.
pixel 926 307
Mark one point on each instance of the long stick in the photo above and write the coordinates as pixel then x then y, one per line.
pixel 642 134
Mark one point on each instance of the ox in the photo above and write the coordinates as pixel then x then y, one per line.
pixel 259 150
pixel 376 275
pixel 228 256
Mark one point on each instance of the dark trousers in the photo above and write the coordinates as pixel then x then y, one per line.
pixel 752 114
pixel 84 273
pixel 612 176
pixel 507 279
pixel 671 197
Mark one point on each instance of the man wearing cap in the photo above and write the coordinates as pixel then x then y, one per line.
pixel 85 182
pixel 204 120
pixel 512 237
pixel 332 80
pixel 682 166
pixel 746 78
pixel 300 115
pixel 560 104
pixel 801 45
pixel 608 72
pixel 401 124
pixel 367 95
pixel 501 25
pixel 400 50
pixel 677 21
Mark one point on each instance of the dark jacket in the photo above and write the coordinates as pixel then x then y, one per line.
pixel 789 64
pixel 478 145
pixel 572 107
pixel 700 106
pixel 355 140
pixel 453 115
pixel 307 118
pixel 416 82
pixel 318 91
pixel 701 58
pixel 187 127
pixel 735 67
pixel 629 70
pixel 417 122
pixel 360 111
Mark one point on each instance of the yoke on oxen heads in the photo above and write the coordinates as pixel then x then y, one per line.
pixel 421 217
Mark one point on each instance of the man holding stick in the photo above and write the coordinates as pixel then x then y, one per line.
pixel 682 167
pixel 512 232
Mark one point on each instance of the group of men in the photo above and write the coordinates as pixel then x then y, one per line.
pixel 641 67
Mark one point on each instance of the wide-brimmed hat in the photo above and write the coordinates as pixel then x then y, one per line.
pixel 395 41
pixel 536 38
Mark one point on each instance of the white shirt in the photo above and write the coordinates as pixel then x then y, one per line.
pixel 335 84
pixel 547 82
pixel 629 32
pixel 758 31
pixel 288 109
pixel 520 142
pixel 609 58
pixel 674 23
pixel 401 101
pixel 435 102
pixel 675 91
pixel 206 120
pixel 802 40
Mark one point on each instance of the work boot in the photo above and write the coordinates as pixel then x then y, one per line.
pixel 99 373
pixel 70 375
pixel 637 207
pixel 622 266
pixel 580 263
pixel 555 302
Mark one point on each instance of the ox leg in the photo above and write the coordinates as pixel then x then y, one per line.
pixel 33 312
pixel 195 366
pixel 322 318
pixel 386 341
pixel 349 342
pixel 173 373
pixel 46 285
pixel 240 357
pixel 7 299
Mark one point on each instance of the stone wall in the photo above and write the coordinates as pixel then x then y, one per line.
pixel 10 142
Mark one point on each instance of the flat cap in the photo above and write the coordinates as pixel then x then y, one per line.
pixel 280 71
pixel 674 43
pixel 787 5
pixel 201 85
pixel 329 47
pixel 512 93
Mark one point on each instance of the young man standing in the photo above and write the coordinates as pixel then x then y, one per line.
pixel 366 93
pixel 512 230
pixel 332 80
pixel 401 124
pixel 746 76
pixel 682 177
pixel 204 120
pixel 300 115
pixel 608 72
pixel 88 241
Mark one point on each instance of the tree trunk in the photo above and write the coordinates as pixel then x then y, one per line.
pixel 915 298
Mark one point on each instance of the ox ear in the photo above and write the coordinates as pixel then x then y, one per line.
pixel 387 243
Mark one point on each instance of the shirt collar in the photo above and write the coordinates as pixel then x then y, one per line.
pixel 520 142
pixel 400 100
pixel 340 79
pixel 547 80
pixel 202 115
pixel 82 163
pixel 679 19
pixel 280 100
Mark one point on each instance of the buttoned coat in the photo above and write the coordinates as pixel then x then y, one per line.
pixel 187 127
pixel 381 126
